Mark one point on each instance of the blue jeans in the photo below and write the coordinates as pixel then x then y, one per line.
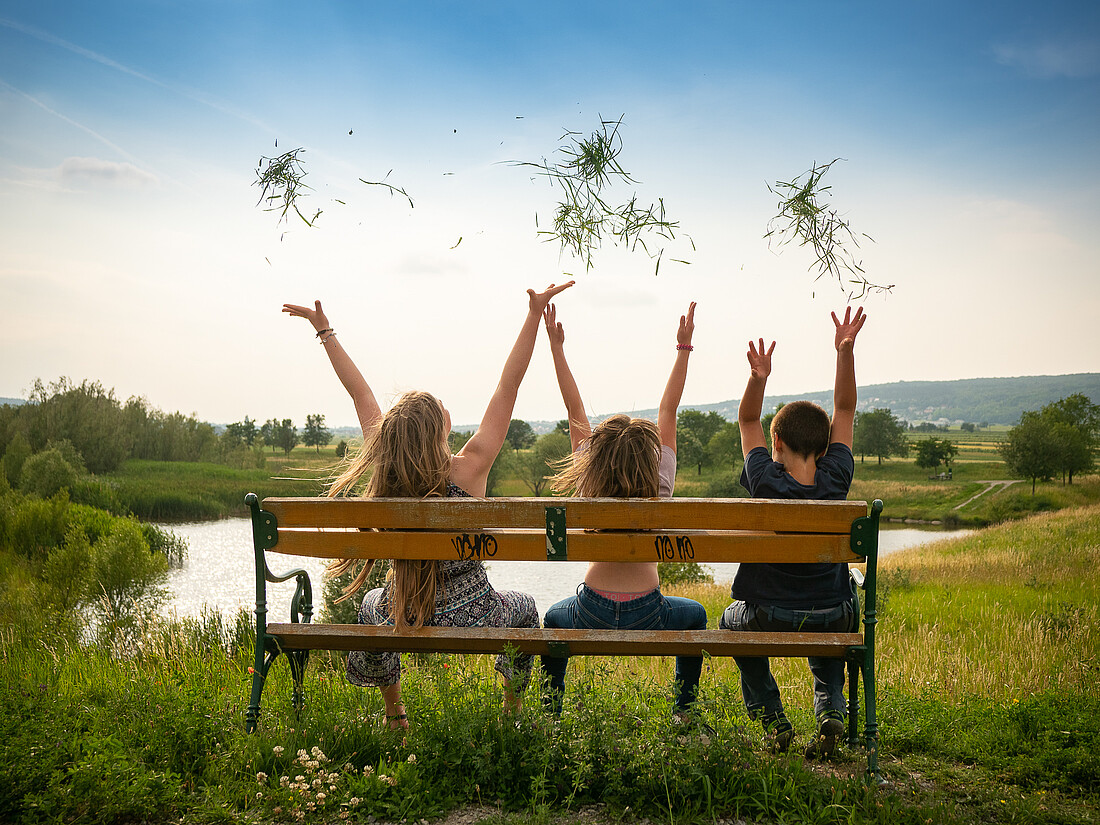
pixel 758 687
pixel 652 611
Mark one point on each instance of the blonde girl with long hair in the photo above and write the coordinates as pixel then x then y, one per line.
pixel 405 454
pixel 628 458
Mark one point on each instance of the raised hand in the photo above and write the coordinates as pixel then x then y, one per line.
pixel 847 329
pixel 540 300
pixel 553 328
pixel 760 362
pixel 315 316
pixel 687 326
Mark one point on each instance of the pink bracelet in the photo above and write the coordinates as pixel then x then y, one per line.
pixel 688 347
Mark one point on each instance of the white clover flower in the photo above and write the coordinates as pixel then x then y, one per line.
pixel 284 781
pixel 321 797
pixel 261 777
pixel 278 750
pixel 412 758
pixel 299 778
pixel 354 801
pixel 259 796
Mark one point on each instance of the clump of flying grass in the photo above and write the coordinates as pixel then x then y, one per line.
pixel 584 218
pixel 802 215
pixel 394 190
pixel 280 179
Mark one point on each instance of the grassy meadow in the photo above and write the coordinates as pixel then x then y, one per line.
pixel 989 707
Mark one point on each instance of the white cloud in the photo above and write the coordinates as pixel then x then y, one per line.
pixel 96 172
pixel 1052 59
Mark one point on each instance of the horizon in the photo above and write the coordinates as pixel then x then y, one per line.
pixel 770 400
pixel 132 248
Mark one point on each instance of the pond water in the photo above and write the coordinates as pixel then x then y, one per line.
pixel 219 571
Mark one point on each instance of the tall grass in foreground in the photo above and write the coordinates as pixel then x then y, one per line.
pixel 974 729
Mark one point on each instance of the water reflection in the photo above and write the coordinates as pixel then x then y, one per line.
pixel 220 571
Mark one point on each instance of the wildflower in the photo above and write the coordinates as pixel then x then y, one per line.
pixel 278 750
pixel 344 814
pixel 259 796
pixel 321 796
pixel 412 758
pixel 261 777
pixel 367 770
pixel 354 801
pixel 252 670
pixel 284 781
pixel 391 780
pixel 299 778
pixel 278 810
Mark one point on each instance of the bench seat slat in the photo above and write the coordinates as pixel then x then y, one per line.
pixel 580 642
pixel 457 514
pixel 530 545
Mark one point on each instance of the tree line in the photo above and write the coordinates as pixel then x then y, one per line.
pixel 89 428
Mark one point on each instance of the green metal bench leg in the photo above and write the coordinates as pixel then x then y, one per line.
pixel 264 658
pixel 853 704
pixel 297 659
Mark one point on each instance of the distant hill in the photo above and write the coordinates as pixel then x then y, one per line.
pixel 975 400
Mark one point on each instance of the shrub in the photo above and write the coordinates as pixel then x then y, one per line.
pixel 683 572
pixel 47 473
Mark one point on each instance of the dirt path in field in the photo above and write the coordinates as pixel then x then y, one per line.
pixel 993 485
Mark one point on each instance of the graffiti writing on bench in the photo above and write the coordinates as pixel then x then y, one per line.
pixel 476 546
pixel 680 550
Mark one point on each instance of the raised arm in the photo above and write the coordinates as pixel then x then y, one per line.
pixel 752 402
pixel 844 390
pixel 481 450
pixel 674 389
pixel 579 427
pixel 366 406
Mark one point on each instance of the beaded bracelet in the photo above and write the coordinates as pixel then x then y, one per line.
pixel 331 332
pixel 321 332
pixel 688 347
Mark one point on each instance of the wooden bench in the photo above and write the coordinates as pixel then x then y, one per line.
pixel 560 529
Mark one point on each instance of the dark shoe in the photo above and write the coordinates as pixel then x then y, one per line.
pixel 778 732
pixel 830 728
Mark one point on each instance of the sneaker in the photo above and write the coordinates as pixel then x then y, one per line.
pixel 830 728
pixel 778 732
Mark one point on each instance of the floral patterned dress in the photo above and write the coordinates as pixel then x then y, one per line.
pixel 466 599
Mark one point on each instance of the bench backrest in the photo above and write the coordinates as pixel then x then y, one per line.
pixel 574 529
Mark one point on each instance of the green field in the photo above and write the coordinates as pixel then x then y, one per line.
pixel 989 708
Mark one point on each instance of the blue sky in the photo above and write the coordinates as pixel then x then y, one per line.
pixel 132 251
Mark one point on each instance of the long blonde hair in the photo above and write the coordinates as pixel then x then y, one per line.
pixel 407 456
pixel 619 460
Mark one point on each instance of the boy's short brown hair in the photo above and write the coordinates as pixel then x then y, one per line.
pixel 803 427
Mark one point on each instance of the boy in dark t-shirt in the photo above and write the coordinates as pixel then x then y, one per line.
pixel 811 459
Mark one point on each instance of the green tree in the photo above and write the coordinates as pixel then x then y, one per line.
pixel 534 466
pixel 1030 449
pixel 1077 433
pixel 457 440
pixel 268 432
pixel 86 414
pixel 18 451
pixel 286 436
pixel 689 451
pixel 879 433
pixel 724 447
pixel 704 425
pixel 316 434
pixel 501 469
pixel 562 426
pixel 520 434
pixel 931 452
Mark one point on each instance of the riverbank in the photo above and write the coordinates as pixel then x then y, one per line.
pixel 989 706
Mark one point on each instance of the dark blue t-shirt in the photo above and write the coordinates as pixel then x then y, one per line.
pixel 801 586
